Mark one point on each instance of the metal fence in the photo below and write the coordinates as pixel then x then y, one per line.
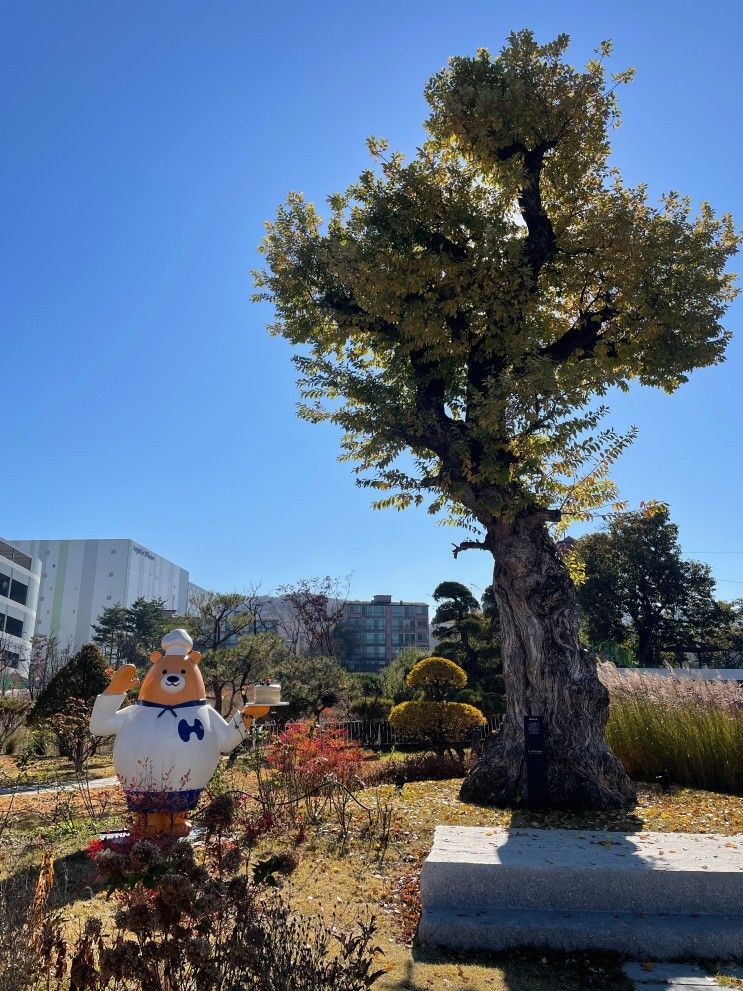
pixel 371 734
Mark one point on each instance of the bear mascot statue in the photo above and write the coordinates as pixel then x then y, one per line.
pixel 169 742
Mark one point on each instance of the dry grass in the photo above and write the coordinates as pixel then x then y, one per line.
pixel 44 771
pixel 688 731
pixel 358 883
pixel 355 883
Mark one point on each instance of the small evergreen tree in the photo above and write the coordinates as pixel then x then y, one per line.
pixel 83 677
pixel 456 624
pixel 468 633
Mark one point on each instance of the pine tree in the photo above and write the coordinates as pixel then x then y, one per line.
pixel 113 634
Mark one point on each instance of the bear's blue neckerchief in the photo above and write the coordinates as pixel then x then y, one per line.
pixel 170 708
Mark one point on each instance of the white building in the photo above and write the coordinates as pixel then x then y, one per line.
pixel 20 577
pixel 80 578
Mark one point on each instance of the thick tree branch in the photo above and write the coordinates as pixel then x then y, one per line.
pixel 470 545
pixel 583 336
pixel 540 244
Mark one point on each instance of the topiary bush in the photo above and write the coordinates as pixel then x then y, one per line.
pixel 444 726
pixel 440 723
pixel 437 677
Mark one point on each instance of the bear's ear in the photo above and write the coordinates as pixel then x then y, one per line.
pixel 155 656
pixel 194 656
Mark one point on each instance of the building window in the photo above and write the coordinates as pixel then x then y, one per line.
pixel 113 550
pixel 18 592
pixel 4 585
pixel 110 574
pixel 14 626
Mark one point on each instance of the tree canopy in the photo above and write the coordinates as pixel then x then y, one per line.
pixel 638 589
pixel 129 634
pixel 468 305
pixel 230 630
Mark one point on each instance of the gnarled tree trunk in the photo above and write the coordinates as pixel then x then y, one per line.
pixel 547 673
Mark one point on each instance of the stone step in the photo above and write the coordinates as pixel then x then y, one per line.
pixel 659 895
pixel 667 937
pixel 681 976
pixel 481 869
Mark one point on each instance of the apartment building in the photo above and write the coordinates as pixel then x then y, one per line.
pixel 374 631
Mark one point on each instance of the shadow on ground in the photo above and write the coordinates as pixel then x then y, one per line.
pixel 435 970
pixel 74 881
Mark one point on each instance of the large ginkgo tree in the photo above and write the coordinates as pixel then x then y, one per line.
pixel 460 314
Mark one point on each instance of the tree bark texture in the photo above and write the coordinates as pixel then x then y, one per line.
pixel 547 673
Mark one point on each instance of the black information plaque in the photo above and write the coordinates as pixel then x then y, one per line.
pixel 536 761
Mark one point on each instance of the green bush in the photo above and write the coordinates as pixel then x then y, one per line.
pixel 685 731
pixel 370 709
pixel 83 677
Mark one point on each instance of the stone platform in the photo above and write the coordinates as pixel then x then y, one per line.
pixel 657 895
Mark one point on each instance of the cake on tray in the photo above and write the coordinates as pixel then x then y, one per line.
pixel 267 693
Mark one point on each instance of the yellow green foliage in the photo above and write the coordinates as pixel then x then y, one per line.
pixel 442 725
pixel 433 673
pixel 470 307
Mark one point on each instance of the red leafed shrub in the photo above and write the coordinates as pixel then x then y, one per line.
pixel 308 756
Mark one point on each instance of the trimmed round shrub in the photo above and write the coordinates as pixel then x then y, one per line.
pixel 437 676
pixel 442 725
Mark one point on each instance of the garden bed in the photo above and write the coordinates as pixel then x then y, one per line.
pixel 367 877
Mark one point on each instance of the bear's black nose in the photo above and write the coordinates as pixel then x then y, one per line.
pixel 173 679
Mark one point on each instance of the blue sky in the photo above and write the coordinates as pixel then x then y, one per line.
pixel 144 144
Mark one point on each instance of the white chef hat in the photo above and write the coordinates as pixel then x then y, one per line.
pixel 177 642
